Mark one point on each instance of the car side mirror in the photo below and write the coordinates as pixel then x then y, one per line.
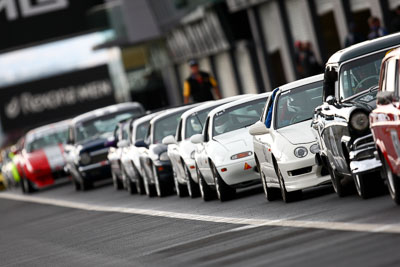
pixel 197 139
pixel 123 143
pixel 331 100
pixel 141 143
pixel 384 98
pixel 169 140
pixel 258 128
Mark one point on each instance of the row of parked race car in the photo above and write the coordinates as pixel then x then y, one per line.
pixel 303 134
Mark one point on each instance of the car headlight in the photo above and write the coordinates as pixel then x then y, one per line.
pixel 314 148
pixel 192 154
pixel 84 158
pixel 164 156
pixel 359 121
pixel 241 155
pixel 300 152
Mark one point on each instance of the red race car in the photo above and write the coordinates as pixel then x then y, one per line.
pixel 42 158
pixel 385 122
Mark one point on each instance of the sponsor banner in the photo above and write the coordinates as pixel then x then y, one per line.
pixel 24 22
pixel 59 97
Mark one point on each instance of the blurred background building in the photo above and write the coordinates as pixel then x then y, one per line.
pixel 60 58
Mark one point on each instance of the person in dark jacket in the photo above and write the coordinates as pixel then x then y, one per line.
pixel 200 85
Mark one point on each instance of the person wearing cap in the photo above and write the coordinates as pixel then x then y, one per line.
pixel 199 86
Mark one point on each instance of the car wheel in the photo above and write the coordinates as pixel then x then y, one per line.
pixel 363 184
pixel 224 191
pixel 27 186
pixel 181 190
pixel 85 185
pixel 393 182
pixel 206 192
pixel 149 189
pixel 116 182
pixel 77 185
pixel 131 186
pixel 270 193
pixel 286 196
pixel 124 179
pixel 337 182
pixel 192 188
pixel 163 189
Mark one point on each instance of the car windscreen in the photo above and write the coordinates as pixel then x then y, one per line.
pixel 46 138
pixel 237 117
pixel 195 122
pixel 141 130
pixel 166 126
pixel 360 75
pixel 102 125
pixel 297 105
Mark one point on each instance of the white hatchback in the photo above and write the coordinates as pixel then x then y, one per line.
pixel 181 150
pixel 224 153
pixel 286 151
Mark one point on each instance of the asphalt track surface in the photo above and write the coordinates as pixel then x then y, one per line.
pixel 104 227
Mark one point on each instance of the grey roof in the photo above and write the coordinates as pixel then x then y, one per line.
pixel 107 110
pixel 366 47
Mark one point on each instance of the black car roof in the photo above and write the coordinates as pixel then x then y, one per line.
pixel 365 48
pixel 107 110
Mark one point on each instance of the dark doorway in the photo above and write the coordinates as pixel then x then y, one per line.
pixel 360 19
pixel 329 33
pixel 277 71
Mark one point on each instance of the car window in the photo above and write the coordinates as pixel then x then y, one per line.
pixel 360 75
pixel 237 117
pixel 166 126
pixel 297 105
pixel 194 123
pixel 141 131
pixel 46 138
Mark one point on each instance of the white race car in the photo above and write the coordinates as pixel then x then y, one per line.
pixel 286 151
pixel 224 153
pixel 131 160
pixel 181 150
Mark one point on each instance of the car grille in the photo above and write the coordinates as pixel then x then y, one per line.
pixel 98 157
pixel 363 142
pixel 300 171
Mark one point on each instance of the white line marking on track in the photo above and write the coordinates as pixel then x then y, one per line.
pixel 339 226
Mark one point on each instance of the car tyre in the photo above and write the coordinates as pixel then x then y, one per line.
pixel 181 189
pixel 206 192
pixel 270 193
pixel 286 196
pixel 393 182
pixel 131 186
pixel 149 188
pixel 224 191
pixel 364 184
pixel 85 185
pixel 192 188
pixel 117 182
pixel 337 184
pixel 162 188
pixel 27 186
pixel 77 185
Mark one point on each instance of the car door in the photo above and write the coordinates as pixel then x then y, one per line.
pixel 201 156
pixel 262 148
pixel 174 155
pixel 385 118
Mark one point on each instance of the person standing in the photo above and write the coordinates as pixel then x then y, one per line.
pixel 376 30
pixel 200 85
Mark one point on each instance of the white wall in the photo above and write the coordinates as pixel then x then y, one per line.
pixel 227 81
pixel 246 71
pixel 273 30
pixel 301 24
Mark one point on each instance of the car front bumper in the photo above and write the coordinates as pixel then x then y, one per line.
pixel 303 173
pixel 96 171
pixel 362 156
pixel 241 173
